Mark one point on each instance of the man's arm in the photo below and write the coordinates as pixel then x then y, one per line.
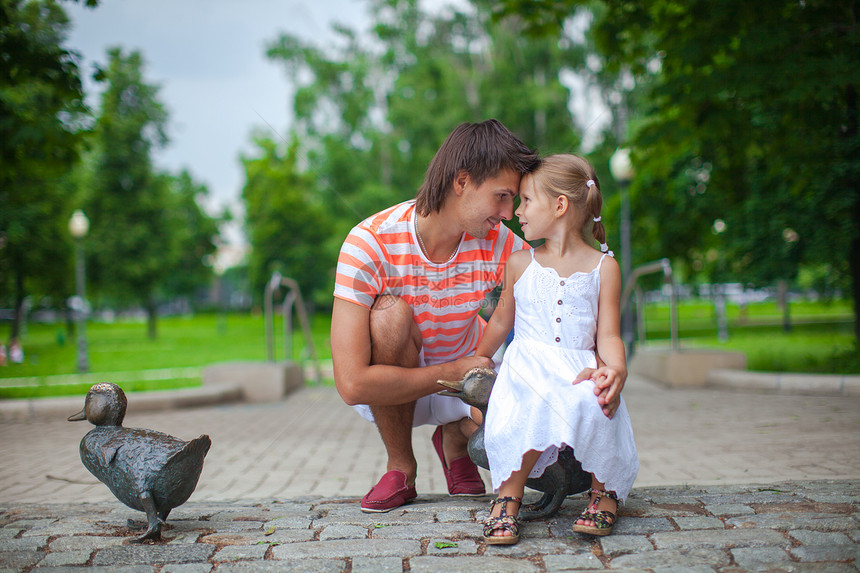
pixel 360 382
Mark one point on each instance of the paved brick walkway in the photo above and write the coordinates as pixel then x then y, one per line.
pixel 796 526
pixel 313 444
pixel 705 499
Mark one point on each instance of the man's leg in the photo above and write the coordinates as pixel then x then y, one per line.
pixel 451 440
pixel 395 340
pixel 451 443
pixel 455 438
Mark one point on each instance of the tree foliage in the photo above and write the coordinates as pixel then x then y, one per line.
pixel 193 233
pixel 149 236
pixel 745 117
pixel 371 112
pixel 289 225
pixel 41 102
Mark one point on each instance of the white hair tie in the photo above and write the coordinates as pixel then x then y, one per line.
pixel 604 248
pixel 598 219
pixel 589 183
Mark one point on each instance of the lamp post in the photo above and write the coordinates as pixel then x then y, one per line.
pixel 622 172
pixel 79 225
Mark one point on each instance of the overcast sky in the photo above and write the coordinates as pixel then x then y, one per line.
pixel 208 57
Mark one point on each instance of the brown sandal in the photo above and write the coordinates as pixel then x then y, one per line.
pixel 603 520
pixel 502 522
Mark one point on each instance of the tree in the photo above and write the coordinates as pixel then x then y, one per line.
pixel 747 114
pixel 193 235
pixel 287 224
pixel 41 106
pixel 149 236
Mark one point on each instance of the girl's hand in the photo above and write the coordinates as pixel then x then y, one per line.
pixel 608 383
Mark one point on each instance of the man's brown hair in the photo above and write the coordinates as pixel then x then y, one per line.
pixel 482 150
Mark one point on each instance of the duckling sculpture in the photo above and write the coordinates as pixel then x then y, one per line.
pixel 563 478
pixel 146 470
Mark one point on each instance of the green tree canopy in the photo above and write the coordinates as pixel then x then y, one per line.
pixel 194 236
pixel 371 112
pixel 149 237
pixel 41 106
pixel 288 224
pixel 743 113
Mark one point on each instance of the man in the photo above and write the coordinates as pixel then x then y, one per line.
pixel 410 283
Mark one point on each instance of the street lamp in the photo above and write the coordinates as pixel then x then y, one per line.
pixel 79 225
pixel 622 172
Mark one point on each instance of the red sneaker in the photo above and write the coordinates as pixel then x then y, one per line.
pixel 390 492
pixel 462 477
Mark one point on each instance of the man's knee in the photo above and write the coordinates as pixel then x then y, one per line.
pixel 394 337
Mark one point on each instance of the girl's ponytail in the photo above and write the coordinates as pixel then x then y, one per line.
pixel 593 205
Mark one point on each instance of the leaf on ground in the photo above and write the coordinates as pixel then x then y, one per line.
pixel 444 544
pixel 270 531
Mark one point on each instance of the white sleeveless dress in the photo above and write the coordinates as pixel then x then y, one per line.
pixel 534 405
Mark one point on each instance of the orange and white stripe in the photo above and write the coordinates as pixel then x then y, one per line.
pixel 381 256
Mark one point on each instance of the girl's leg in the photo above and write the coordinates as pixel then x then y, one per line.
pixel 606 503
pixel 514 486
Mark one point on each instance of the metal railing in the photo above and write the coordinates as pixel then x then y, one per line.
pixel 664 266
pixel 293 297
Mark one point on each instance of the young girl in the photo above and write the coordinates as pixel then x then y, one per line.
pixel 553 296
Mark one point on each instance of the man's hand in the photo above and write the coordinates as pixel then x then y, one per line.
pixel 456 369
pixel 608 384
pixel 466 363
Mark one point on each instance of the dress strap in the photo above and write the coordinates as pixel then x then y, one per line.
pixel 600 262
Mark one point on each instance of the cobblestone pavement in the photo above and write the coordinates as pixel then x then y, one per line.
pixel 729 481
pixel 794 526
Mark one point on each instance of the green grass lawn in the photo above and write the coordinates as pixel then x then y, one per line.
pixel 121 352
pixel 819 348
pixel 821 340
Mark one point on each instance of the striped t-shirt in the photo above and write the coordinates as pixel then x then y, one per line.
pixel 381 256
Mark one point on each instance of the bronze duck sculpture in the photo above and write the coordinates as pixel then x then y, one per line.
pixel 563 478
pixel 146 470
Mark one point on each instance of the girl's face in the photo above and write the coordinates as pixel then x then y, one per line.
pixel 535 212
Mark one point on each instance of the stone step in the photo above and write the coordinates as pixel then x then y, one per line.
pixel 208 395
pixel 785 383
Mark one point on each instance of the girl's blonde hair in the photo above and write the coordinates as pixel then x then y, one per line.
pixel 569 175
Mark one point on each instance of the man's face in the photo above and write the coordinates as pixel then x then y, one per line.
pixel 484 206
